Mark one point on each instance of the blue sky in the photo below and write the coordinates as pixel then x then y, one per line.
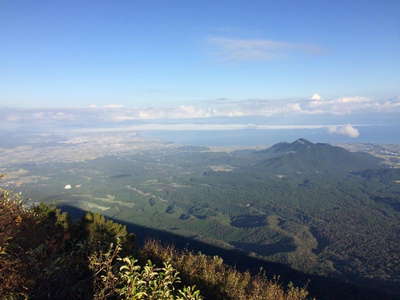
pixel 163 53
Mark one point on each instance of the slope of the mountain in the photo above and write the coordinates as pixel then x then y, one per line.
pixel 303 156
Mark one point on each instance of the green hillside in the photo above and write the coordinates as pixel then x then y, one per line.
pixel 43 255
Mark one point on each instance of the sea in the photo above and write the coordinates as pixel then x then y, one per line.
pixel 260 137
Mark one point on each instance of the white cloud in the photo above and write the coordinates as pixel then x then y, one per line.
pixel 39 115
pixel 113 106
pixel 121 118
pixel 294 107
pixel 257 49
pixel 62 116
pixel 50 115
pixel 316 97
pixel 356 99
pixel 346 130
pixel 227 108
pixel 350 104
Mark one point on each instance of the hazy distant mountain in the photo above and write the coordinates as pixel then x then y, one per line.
pixel 307 157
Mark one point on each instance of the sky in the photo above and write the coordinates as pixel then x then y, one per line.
pixel 129 60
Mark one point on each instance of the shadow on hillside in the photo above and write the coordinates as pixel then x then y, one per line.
pixel 318 286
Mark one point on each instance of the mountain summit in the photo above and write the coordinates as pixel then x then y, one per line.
pixel 302 141
pixel 299 144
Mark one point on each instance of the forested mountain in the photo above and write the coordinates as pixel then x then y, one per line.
pixel 317 208
pixel 302 156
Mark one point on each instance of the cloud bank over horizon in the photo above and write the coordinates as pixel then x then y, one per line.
pixel 337 118
pixel 309 108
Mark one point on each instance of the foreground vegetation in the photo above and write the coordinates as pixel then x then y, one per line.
pixel 43 255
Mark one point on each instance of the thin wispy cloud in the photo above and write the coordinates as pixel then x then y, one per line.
pixel 231 49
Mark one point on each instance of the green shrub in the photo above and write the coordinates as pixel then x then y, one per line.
pixel 101 232
pixel 150 282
